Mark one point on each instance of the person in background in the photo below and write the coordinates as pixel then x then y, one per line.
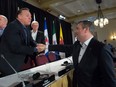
pixel 38 37
pixel 16 43
pixel 109 45
pixel 93 64
pixel 105 41
pixel 3 24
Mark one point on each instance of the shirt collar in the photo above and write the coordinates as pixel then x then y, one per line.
pixel 23 26
pixel 33 31
pixel 1 28
pixel 87 41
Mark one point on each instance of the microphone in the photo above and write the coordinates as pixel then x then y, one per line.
pixel 71 62
pixel 40 76
pixel 66 63
pixel 2 56
pixel 68 67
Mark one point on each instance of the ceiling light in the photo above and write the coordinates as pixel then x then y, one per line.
pixel 62 17
pixel 100 20
pixel 78 11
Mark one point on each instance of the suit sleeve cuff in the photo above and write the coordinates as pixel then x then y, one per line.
pixel 35 49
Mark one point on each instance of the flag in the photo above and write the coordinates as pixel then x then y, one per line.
pixel 34 17
pixel 61 41
pixel 54 40
pixel 46 36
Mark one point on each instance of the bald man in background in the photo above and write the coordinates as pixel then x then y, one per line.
pixel 3 24
pixel 37 35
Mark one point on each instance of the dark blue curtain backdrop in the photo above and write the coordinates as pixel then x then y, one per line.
pixel 10 7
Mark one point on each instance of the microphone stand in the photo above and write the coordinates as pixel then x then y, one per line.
pixel 13 70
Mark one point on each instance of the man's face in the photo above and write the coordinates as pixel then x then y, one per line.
pixel 80 32
pixel 25 17
pixel 35 26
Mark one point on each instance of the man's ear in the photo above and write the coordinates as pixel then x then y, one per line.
pixel 19 16
pixel 86 29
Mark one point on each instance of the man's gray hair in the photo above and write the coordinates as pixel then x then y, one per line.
pixel 5 18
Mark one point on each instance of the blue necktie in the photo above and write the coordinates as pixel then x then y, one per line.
pixel 1 32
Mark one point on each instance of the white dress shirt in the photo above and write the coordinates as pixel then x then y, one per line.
pixel 83 48
pixel 33 34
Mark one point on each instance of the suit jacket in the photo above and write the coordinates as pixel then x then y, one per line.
pixel 40 37
pixel 96 67
pixel 0 38
pixel 16 44
pixel 1 32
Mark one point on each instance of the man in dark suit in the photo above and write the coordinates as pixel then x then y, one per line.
pixel 38 37
pixel 17 43
pixel 93 64
pixel 3 24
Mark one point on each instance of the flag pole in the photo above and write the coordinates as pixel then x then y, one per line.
pixel 34 17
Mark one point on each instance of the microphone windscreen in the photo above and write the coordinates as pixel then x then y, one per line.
pixel 44 76
pixel 65 62
pixel 36 76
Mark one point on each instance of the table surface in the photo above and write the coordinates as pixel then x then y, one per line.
pixel 49 68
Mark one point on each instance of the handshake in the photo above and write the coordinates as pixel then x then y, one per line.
pixel 40 47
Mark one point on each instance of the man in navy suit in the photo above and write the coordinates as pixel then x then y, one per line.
pixel 93 64
pixel 17 43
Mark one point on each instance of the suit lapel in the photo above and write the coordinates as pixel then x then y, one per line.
pixel 37 36
pixel 76 51
pixel 87 52
pixel 21 31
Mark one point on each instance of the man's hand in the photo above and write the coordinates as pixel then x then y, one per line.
pixel 41 47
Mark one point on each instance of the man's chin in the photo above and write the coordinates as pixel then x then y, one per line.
pixel 28 24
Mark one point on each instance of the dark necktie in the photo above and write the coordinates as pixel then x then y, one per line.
pixel 1 32
pixel 26 35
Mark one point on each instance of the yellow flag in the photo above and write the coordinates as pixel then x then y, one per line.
pixel 61 40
